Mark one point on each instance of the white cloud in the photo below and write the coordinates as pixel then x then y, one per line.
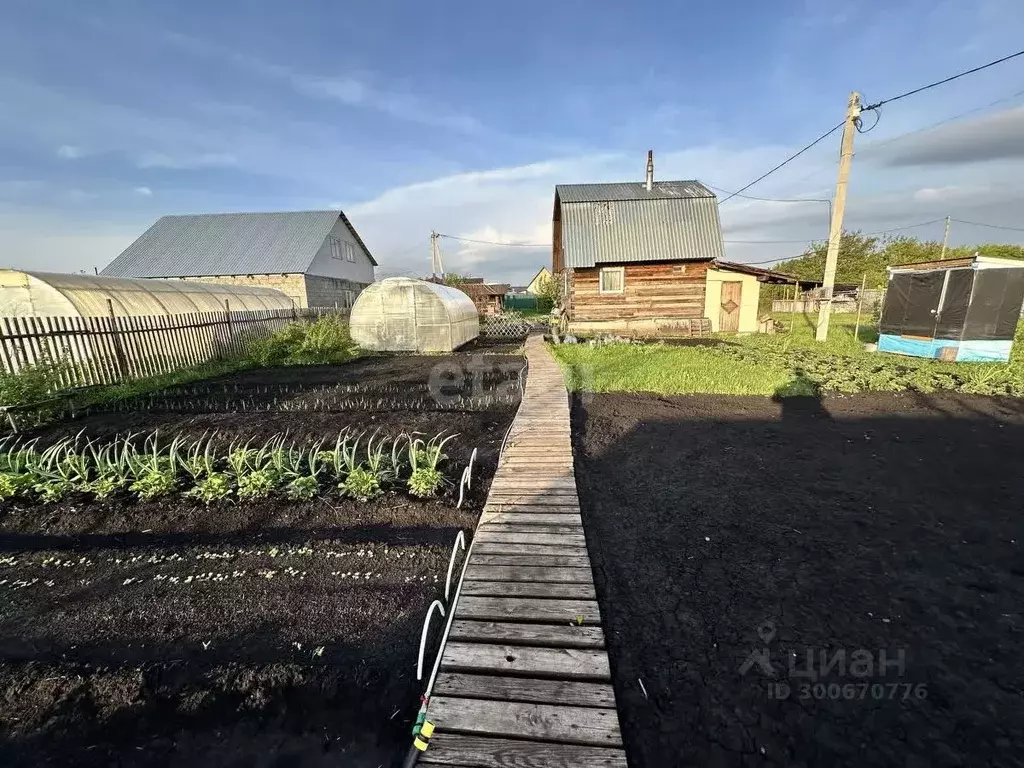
pixel 144 191
pixel 69 152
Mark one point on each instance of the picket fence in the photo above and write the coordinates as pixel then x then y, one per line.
pixel 106 350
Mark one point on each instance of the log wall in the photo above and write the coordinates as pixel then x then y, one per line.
pixel 670 289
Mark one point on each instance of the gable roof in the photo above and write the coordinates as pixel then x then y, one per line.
pixel 211 244
pixel 625 224
pixel 631 190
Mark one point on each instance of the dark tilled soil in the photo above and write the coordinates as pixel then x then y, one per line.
pixel 867 525
pixel 268 633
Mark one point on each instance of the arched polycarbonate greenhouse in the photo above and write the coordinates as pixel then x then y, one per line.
pixel 400 314
pixel 50 294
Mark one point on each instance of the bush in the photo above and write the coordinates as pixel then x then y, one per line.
pixel 34 382
pixel 323 342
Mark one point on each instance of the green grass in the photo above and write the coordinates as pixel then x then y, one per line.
pixel 790 363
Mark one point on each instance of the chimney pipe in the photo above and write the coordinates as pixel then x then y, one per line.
pixel 650 169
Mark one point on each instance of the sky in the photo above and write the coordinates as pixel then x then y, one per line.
pixel 461 116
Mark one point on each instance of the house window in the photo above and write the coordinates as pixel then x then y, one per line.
pixel 350 252
pixel 335 248
pixel 613 280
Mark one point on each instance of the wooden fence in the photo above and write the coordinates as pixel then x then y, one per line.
pixel 105 350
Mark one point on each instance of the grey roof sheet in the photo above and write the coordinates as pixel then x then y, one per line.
pixel 228 244
pixel 630 231
pixel 631 190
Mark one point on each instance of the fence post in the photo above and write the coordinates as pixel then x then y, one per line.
pixel 122 361
pixel 231 327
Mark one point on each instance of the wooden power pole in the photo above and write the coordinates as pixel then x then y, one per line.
pixel 945 240
pixel 835 233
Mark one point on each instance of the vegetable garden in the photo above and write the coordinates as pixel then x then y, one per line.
pixel 236 571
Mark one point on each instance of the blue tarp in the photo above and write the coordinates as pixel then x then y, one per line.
pixel 967 351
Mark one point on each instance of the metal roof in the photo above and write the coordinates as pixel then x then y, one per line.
pixel 228 244
pixel 631 190
pixel 662 228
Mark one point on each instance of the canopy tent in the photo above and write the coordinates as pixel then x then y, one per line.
pixel 51 294
pixel 400 314
pixel 965 309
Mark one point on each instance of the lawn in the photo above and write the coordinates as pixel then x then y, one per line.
pixel 264 630
pixel 789 363
pixel 748 552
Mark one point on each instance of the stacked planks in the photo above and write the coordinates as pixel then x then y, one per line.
pixel 524 676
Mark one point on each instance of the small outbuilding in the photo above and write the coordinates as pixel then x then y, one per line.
pixel 955 309
pixel 401 314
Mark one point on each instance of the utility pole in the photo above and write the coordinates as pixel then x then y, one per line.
pixel 436 265
pixel 836 230
pixel 945 240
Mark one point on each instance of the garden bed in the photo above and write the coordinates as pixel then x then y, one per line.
pixel 250 632
pixel 729 530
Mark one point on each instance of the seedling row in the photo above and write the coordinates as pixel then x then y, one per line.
pixel 358 465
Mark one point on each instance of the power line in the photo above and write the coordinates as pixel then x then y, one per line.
pixel 770 199
pixel 943 82
pixel 930 126
pixel 492 242
pixel 991 226
pixel 789 159
pixel 877 232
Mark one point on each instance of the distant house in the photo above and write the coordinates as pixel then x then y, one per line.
pixel 314 257
pixel 488 297
pixel 634 257
pixel 539 282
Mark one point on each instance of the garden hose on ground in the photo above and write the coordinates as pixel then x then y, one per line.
pixel 423 729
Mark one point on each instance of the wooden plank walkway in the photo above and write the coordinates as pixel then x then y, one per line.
pixel 524 678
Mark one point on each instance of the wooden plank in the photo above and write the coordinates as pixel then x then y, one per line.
pixel 552 573
pixel 502 547
pixel 529 609
pixel 573 725
pixel 542 482
pixel 481 752
pixel 532 518
pixel 579 590
pixel 571 540
pixel 561 663
pixel 541 561
pixel 566 508
pixel 566 635
pixel 559 530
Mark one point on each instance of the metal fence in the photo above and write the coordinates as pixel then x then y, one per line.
pixel 105 350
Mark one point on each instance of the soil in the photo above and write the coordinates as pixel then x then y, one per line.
pixel 730 531
pixel 267 633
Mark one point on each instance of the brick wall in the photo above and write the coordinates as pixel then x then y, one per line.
pixel 292 286
pixel 324 291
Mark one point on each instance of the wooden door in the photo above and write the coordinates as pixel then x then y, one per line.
pixel 729 319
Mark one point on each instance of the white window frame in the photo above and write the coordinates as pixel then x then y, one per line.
pixel 620 271
pixel 336 248
pixel 350 252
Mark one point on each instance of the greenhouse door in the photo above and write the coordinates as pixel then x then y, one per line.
pixel 399 312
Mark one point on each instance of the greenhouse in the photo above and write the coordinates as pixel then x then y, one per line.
pixel 400 314
pixel 51 294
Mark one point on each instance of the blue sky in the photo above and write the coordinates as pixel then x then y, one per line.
pixel 461 117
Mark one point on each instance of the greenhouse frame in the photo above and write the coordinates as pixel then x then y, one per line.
pixel 51 294
pixel 402 314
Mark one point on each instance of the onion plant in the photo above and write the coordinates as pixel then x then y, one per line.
pixel 425 478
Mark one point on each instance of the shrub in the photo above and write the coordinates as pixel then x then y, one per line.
pixel 322 342
pixel 34 382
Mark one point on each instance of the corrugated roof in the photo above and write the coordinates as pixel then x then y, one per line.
pixel 228 244
pixel 639 230
pixel 631 190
